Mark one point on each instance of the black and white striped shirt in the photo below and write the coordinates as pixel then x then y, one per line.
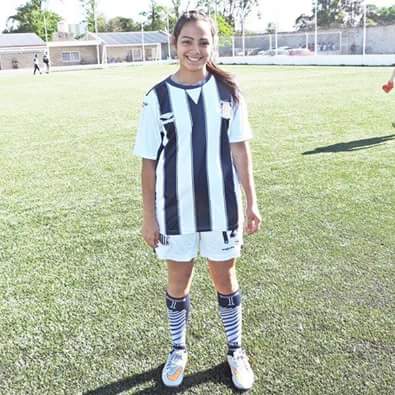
pixel 188 129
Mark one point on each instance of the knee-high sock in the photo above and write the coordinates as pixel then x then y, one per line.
pixel 178 312
pixel 230 311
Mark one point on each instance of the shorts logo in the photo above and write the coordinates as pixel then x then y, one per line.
pixel 164 240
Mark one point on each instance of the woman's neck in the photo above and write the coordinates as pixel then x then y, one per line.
pixel 190 78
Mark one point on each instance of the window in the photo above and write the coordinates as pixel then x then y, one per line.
pixel 71 56
pixel 149 53
pixel 137 54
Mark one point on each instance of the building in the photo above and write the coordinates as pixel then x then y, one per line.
pixel 18 49
pixel 74 52
pixel 134 46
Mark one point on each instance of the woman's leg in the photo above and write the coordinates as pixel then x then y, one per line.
pixel 223 274
pixel 177 301
pixel 179 278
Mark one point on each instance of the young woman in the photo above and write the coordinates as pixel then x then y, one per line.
pixel 193 138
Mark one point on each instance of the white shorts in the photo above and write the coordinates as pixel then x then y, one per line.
pixel 215 246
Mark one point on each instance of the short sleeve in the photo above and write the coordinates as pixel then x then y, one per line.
pixel 148 139
pixel 239 129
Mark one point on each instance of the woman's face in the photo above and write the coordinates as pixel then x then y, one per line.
pixel 194 46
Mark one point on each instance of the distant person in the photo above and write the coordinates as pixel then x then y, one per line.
pixel 35 64
pixel 46 61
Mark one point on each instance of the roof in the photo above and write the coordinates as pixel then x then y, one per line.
pixel 126 38
pixel 20 40
pixel 73 43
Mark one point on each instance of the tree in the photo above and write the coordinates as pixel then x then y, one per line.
pixel 122 24
pixel 225 31
pixel 176 7
pixel 332 13
pixel 353 11
pixel 271 28
pixel 155 16
pixel 30 17
pixel 380 16
pixel 90 8
pixel 231 10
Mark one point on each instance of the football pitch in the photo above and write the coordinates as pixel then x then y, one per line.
pixel 82 297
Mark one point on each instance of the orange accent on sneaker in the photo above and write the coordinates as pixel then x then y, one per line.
pixel 176 375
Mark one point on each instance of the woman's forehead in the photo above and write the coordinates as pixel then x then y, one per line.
pixel 196 29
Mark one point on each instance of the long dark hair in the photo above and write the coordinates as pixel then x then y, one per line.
pixel 226 78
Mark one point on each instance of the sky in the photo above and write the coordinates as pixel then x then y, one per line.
pixel 282 12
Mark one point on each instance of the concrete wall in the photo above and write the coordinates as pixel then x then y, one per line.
pixel 323 60
pixel 19 60
pixel 88 55
pixel 124 54
pixel 379 40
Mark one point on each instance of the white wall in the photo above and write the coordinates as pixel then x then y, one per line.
pixel 323 60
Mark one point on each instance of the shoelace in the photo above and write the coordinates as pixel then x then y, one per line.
pixel 241 360
pixel 172 365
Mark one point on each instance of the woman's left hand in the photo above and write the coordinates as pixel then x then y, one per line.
pixel 252 220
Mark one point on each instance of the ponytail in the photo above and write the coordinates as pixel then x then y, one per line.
pixel 226 78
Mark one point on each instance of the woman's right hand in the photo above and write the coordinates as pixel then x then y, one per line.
pixel 150 232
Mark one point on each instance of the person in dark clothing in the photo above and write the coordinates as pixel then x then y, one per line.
pixel 35 64
pixel 46 62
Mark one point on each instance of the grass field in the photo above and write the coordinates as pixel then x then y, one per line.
pixel 81 297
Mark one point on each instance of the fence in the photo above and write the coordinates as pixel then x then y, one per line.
pixel 378 40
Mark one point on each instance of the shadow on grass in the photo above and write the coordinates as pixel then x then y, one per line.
pixel 219 374
pixel 352 145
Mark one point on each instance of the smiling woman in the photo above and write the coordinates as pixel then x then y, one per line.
pixel 193 139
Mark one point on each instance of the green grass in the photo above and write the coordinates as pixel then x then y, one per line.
pixel 82 307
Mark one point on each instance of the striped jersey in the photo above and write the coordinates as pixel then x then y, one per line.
pixel 188 130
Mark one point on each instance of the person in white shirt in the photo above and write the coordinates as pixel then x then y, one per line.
pixel 193 139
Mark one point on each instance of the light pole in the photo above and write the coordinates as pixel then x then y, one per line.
pixel 45 21
pixel 168 36
pixel 97 41
pixel 364 29
pixel 315 27
pixel 142 40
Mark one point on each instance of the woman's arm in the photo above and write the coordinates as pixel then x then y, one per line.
pixel 242 159
pixel 150 225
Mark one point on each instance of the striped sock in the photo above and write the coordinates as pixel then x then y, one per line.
pixel 178 311
pixel 230 311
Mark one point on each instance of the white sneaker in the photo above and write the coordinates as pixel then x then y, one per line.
pixel 173 371
pixel 242 374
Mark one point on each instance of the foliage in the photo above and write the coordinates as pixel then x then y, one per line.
pixel 233 11
pixel 345 13
pixel 30 17
pixel 380 16
pixel 90 9
pixel 155 17
pixel 225 31
pixel 122 24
